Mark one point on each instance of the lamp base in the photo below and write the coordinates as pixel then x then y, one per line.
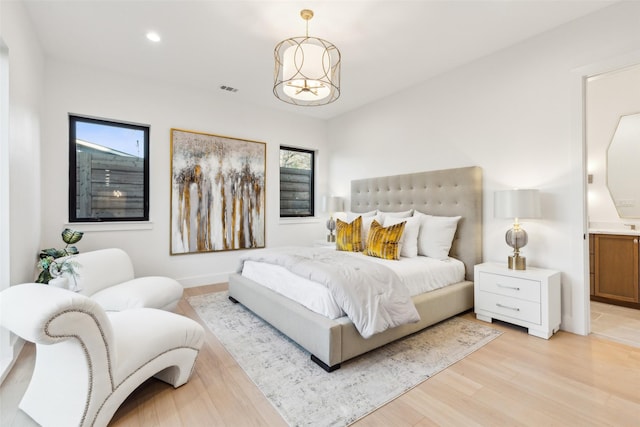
pixel 517 262
pixel 331 238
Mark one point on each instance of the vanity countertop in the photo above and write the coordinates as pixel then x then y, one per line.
pixel 621 231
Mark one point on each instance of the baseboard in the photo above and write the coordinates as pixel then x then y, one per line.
pixel 7 363
pixel 209 279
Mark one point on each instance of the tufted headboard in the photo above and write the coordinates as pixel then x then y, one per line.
pixel 448 192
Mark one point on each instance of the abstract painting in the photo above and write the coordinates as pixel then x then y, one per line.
pixel 217 193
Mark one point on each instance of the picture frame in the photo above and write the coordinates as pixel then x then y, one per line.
pixel 217 193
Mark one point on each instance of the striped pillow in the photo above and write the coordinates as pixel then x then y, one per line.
pixel 384 242
pixel 349 235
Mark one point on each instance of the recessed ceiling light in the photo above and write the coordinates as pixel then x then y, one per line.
pixel 153 36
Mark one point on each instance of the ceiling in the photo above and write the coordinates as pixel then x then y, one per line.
pixel 386 46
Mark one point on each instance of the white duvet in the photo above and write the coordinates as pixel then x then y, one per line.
pixel 419 274
pixel 369 293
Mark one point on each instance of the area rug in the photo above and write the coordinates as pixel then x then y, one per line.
pixel 304 394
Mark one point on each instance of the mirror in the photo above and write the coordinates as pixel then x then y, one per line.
pixel 623 166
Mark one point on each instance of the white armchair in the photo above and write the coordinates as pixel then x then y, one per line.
pixel 107 277
pixel 87 360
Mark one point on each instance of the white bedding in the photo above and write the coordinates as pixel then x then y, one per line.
pixel 419 274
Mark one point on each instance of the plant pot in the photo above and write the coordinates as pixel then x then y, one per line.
pixel 73 284
pixel 59 282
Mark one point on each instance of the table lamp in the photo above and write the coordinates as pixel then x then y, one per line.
pixel 332 205
pixel 517 204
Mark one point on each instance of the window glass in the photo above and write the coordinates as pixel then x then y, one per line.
pixel 108 170
pixel 296 182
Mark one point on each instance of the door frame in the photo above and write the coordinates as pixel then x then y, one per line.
pixel 579 87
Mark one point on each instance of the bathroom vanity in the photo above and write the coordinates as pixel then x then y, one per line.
pixel 613 241
pixel 613 264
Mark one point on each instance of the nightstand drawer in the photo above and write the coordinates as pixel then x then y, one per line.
pixel 525 289
pixel 509 307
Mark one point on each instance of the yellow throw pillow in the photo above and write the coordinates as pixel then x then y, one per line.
pixel 349 235
pixel 384 242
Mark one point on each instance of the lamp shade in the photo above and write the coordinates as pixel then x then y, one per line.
pixel 333 204
pixel 307 69
pixel 519 203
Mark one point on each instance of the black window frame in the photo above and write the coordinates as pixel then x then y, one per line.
pixel 312 153
pixel 146 129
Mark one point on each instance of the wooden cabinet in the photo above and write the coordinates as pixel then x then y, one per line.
pixel 529 298
pixel 592 260
pixel 615 269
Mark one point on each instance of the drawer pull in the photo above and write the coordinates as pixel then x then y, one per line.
pixel 515 288
pixel 507 307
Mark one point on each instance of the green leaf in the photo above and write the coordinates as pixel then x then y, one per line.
pixel 72 250
pixel 53 252
pixel 44 277
pixel 70 236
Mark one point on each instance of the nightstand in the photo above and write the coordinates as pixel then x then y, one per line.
pixel 324 244
pixel 529 298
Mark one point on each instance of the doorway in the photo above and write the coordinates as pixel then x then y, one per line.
pixel 609 97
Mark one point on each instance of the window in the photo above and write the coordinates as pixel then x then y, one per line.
pixel 296 182
pixel 108 170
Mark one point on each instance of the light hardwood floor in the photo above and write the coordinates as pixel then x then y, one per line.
pixel 515 380
pixel 616 323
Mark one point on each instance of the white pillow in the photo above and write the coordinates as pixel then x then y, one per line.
pixel 436 235
pixel 350 216
pixel 409 239
pixel 355 215
pixel 404 214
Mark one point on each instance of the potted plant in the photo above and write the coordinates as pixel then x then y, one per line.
pixel 54 263
pixel 61 269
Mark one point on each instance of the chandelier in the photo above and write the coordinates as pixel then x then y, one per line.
pixel 307 69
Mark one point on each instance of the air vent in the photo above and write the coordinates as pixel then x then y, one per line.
pixel 228 88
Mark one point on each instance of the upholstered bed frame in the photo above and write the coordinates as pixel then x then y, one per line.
pixel 449 192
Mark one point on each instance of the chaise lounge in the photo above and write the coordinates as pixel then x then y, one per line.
pixel 87 360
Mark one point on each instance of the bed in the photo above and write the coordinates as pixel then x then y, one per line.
pixel 450 192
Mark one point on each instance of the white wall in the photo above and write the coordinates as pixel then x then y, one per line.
pixel 514 114
pixel 609 96
pixel 22 150
pixel 74 89
pixel 26 74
